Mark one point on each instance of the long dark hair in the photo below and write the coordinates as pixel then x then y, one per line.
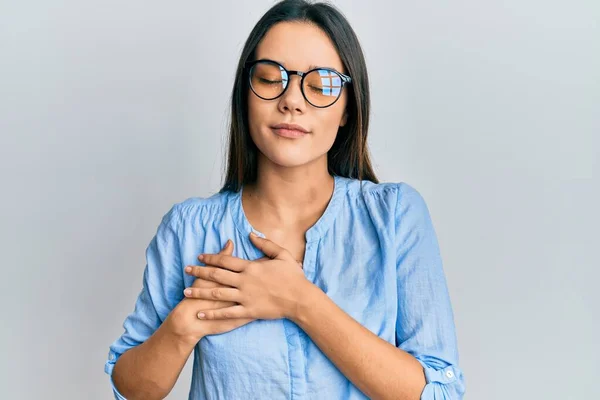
pixel 349 155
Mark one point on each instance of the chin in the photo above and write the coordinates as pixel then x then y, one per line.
pixel 286 153
pixel 287 159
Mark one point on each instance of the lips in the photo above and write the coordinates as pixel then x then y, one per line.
pixel 290 130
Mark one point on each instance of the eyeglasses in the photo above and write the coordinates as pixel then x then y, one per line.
pixel 321 87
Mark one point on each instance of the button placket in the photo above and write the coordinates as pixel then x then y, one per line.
pixel 308 265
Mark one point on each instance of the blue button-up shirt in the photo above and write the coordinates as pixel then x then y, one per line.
pixel 374 252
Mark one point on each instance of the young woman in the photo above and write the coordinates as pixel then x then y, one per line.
pixel 303 278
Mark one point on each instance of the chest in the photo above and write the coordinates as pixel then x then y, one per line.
pixel 357 273
pixel 293 241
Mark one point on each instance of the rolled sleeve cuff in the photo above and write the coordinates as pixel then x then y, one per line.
pixel 443 384
pixel 108 368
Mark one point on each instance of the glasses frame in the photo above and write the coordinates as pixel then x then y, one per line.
pixel 345 79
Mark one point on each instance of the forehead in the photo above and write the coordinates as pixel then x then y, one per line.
pixel 299 46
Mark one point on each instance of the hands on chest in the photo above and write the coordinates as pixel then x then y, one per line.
pixel 230 292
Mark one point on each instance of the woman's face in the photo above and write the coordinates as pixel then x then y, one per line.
pixel 298 46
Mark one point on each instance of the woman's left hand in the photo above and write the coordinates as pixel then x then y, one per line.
pixel 267 288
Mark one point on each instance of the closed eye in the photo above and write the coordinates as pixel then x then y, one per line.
pixel 268 81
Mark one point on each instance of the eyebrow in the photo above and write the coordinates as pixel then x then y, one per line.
pixel 312 66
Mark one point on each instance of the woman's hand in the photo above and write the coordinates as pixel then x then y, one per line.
pixel 267 288
pixel 183 320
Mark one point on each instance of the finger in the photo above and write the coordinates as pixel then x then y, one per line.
pixel 228 248
pixel 224 313
pixel 224 261
pixel 219 275
pixel 270 248
pixel 202 283
pixel 218 293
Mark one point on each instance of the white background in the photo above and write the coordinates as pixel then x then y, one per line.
pixel 112 111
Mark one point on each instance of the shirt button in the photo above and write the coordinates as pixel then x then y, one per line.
pixel 111 357
pixel 449 374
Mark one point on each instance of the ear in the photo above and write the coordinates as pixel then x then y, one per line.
pixel 344 119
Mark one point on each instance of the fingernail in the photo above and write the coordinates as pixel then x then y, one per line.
pixel 253 234
pixel 201 315
pixel 188 292
pixel 188 269
pixel 201 257
pixel 226 245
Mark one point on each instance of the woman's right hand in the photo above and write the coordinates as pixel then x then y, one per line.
pixel 183 320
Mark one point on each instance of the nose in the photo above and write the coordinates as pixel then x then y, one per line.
pixel 292 100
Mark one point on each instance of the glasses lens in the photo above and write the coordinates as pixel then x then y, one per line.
pixel 268 80
pixel 322 87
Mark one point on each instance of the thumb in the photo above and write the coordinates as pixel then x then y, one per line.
pixel 271 249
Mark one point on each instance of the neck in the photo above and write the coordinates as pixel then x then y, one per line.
pixel 287 196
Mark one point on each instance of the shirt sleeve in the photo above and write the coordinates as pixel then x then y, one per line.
pixel 425 324
pixel 162 289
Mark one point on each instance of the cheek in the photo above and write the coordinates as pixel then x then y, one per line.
pixel 255 115
pixel 258 112
pixel 332 118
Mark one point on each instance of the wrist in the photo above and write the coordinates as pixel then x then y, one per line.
pixel 183 344
pixel 176 327
pixel 307 298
